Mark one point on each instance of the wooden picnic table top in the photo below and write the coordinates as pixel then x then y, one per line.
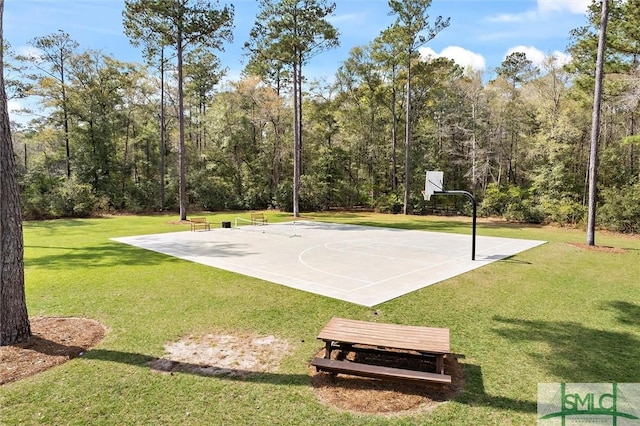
pixel 405 337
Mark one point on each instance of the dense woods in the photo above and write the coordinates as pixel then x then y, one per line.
pixel 109 136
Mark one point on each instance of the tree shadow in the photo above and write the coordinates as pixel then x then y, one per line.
pixel 55 224
pixel 628 313
pixel 50 348
pixel 475 394
pixel 104 255
pixel 119 254
pixel 578 354
pixel 169 366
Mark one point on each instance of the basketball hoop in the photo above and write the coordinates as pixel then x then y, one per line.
pixel 433 183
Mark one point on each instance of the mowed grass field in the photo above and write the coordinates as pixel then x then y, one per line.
pixel 556 313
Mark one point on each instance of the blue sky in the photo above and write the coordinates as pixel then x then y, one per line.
pixel 481 33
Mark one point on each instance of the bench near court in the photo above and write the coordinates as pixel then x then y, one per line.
pixel 258 219
pixel 398 340
pixel 199 222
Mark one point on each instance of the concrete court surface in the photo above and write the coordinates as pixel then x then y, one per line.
pixel 359 264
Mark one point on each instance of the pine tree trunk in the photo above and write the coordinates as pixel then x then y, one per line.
pixel 182 154
pixel 296 142
pixel 14 320
pixel 407 146
pixel 595 128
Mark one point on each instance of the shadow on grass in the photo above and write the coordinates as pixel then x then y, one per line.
pixel 578 354
pixel 56 224
pixel 434 226
pixel 628 313
pixel 168 366
pixel 105 255
pixel 475 394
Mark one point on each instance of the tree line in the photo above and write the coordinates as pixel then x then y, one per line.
pixel 174 134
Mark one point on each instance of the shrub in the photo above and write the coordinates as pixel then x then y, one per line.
pixel 495 202
pixel 621 209
pixel 390 203
pixel 512 203
pixel 562 211
pixel 74 199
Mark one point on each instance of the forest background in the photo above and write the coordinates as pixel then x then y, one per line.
pixel 109 141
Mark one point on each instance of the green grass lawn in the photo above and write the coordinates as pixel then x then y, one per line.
pixel 556 313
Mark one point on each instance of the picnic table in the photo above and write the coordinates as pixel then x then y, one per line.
pixel 398 340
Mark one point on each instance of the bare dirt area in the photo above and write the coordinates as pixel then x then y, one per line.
pixel 605 249
pixel 56 340
pixel 222 354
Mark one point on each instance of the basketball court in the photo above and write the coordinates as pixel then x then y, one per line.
pixel 358 264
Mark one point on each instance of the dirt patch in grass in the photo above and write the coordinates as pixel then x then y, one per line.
pixel 54 341
pixel 222 354
pixel 606 249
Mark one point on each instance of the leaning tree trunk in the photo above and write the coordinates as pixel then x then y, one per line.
pixel 14 321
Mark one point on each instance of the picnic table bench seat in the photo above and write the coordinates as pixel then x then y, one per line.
pixel 377 371
pixel 398 340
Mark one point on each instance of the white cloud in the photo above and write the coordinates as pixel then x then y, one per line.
pixel 543 9
pixel 463 57
pixel 573 6
pixel 514 17
pixel 13 105
pixel 30 52
pixel 538 57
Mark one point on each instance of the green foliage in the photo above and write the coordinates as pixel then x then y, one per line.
pixel 209 192
pixel 563 211
pixel 512 203
pixel 74 199
pixel 46 197
pixel 389 203
pixel 527 128
pixel 283 198
pixel 36 193
pixel 495 201
pixel 620 210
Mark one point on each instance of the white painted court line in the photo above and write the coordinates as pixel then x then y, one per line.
pixel 359 264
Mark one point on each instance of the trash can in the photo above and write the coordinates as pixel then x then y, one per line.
pixel 226 225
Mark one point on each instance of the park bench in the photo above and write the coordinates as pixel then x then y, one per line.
pixel 199 222
pixel 258 219
pixel 391 339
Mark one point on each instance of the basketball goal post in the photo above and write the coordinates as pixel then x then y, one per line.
pixel 434 185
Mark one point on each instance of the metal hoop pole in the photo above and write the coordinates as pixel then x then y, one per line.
pixel 475 210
